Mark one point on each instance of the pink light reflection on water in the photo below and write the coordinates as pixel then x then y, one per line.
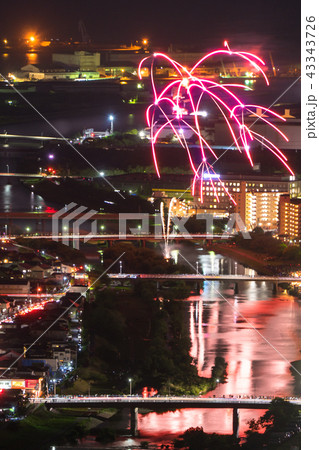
pixel 172 424
pixel 254 367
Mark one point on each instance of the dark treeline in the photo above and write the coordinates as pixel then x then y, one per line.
pixel 264 242
pixel 134 335
pixel 142 260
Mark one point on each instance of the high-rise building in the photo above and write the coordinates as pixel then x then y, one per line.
pixel 256 199
pixel 289 219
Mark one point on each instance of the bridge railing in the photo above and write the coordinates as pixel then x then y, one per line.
pixel 236 400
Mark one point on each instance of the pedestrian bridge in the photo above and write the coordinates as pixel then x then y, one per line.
pixel 154 403
pixel 202 277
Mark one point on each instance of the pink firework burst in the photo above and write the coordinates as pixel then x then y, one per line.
pixel 179 105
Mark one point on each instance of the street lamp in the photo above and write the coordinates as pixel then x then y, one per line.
pixel 111 119
pixel 54 386
pixel 130 381
pixel 197 267
pixel 101 254
pixel 120 267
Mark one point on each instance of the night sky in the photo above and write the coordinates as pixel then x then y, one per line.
pixel 205 22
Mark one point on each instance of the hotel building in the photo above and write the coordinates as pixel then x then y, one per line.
pixel 256 199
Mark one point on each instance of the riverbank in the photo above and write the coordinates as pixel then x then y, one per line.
pixel 263 264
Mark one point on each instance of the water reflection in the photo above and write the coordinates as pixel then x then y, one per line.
pixel 32 58
pixel 15 197
pixel 256 331
pixel 172 424
pixel 251 330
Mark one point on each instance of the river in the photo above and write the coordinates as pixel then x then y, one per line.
pixel 256 331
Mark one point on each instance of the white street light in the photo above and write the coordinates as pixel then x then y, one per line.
pixel 120 267
pixel 111 118
pixel 130 381
pixel 54 386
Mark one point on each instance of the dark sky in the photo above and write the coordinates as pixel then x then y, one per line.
pixel 204 22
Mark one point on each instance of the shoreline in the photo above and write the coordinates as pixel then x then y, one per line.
pixel 256 261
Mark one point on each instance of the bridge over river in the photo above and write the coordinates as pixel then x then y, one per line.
pixel 201 277
pixel 153 403
pixel 198 278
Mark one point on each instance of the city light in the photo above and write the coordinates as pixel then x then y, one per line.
pixel 179 103
pixel 31 39
pixel 111 119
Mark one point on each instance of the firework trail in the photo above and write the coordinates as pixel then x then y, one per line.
pixel 179 105
pixel 166 227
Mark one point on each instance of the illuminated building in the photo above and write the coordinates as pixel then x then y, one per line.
pixel 289 219
pixel 256 198
pixel 262 210
pixel 181 208
pixel 31 72
pixel 295 189
pixel 183 204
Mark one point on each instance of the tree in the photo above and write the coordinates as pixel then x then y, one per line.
pixel 195 438
pixel 258 230
pixel 219 370
pixel 279 414
pixel 277 418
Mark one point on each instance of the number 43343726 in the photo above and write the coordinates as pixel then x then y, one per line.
pixel 310 46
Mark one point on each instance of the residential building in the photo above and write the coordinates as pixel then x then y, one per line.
pixel 255 199
pixel 14 286
pixel 290 219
